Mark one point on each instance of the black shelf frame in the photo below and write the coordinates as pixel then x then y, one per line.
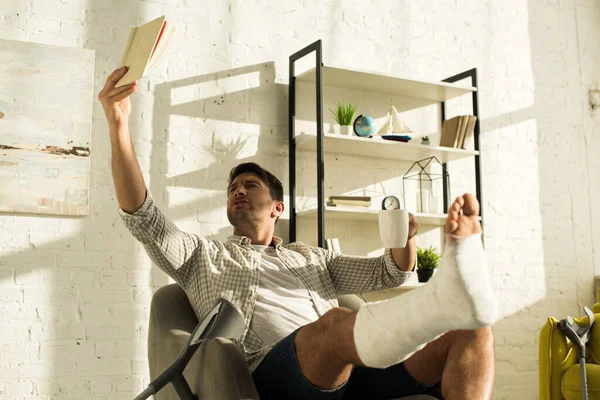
pixel 469 74
pixel 316 47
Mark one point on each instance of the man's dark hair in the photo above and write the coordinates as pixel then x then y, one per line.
pixel 274 184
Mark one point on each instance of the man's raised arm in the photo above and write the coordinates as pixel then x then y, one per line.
pixel 126 172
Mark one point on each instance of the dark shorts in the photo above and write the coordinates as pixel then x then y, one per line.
pixel 279 377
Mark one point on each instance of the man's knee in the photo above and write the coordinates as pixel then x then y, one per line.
pixel 334 319
pixel 332 333
pixel 484 337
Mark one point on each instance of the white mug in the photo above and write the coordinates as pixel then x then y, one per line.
pixel 393 228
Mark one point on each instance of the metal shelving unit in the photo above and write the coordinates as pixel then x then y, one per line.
pixel 426 92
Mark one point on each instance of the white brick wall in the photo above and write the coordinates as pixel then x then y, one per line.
pixel 74 293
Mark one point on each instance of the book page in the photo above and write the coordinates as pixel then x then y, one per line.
pixel 139 50
pixel 161 46
pixel 127 46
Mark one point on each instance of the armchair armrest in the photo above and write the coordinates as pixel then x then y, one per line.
pixel 217 369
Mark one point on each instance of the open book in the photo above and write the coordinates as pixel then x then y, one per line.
pixel 146 46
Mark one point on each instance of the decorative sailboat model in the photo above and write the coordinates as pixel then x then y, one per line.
pixel 394 128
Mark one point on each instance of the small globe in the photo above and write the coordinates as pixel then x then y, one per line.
pixel 364 126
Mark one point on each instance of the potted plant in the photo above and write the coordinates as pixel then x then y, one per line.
pixel 344 115
pixel 427 261
pixel 425 140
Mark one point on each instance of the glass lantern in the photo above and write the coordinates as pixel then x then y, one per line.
pixel 430 174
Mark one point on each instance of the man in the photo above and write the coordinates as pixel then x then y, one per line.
pixel 298 343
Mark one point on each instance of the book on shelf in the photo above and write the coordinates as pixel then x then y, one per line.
pixel 360 201
pixel 146 46
pixel 469 142
pixel 457 132
pixel 333 244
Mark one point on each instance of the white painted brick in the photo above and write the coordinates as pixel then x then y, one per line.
pixel 125 395
pixel 113 278
pixel 142 296
pixel 13 240
pixel 95 368
pixel 47 387
pixel 54 8
pixel 6 277
pixel 105 332
pixel 130 261
pixel 57 332
pixel 26 223
pixel 131 349
pixel 67 396
pixel 58 296
pixel 64 315
pixel 28 258
pixel 14 331
pixel 29 277
pixel 14 389
pixel 105 295
pixel 128 384
pixel 100 385
pixel 69 386
pixel 20 351
pixel 15 6
pixel 72 350
pixel 40 370
pixel 70 225
pixel 17 312
pixel 108 241
pixel 11 295
pixel 84 278
pixel 41 240
pixel 139 367
pixel 56 277
pixel 43 24
pixel 9 370
pixel 13 22
pixel 83 260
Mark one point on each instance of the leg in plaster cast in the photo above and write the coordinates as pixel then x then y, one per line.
pixel 459 296
pixel 381 334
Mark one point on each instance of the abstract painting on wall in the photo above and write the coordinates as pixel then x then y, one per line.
pixel 46 95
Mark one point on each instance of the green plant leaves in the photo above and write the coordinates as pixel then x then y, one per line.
pixel 344 113
pixel 428 258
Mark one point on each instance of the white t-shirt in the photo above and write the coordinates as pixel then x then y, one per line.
pixel 282 301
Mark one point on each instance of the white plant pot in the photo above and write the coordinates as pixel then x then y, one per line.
pixel 347 130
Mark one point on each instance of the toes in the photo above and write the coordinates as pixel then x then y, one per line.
pixel 451 227
pixel 453 214
pixel 452 221
pixel 471 205
pixel 456 206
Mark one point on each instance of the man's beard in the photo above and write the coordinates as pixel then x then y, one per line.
pixel 243 218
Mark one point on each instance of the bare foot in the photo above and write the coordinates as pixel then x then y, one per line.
pixel 463 216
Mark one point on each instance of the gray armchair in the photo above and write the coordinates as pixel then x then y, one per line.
pixel 217 370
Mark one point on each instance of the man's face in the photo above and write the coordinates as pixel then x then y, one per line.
pixel 249 201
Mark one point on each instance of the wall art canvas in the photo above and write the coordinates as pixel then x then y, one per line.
pixel 46 95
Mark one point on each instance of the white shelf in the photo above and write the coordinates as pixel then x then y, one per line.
pixel 380 148
pixel 388 84
pixel 368 214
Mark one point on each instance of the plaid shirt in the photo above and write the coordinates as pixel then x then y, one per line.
pixel 209 269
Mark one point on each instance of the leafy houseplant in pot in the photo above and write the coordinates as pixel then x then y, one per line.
pixel 344 115
pixel 425 140
pixel 427 261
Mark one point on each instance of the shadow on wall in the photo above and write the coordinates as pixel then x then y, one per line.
pixel 209 126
